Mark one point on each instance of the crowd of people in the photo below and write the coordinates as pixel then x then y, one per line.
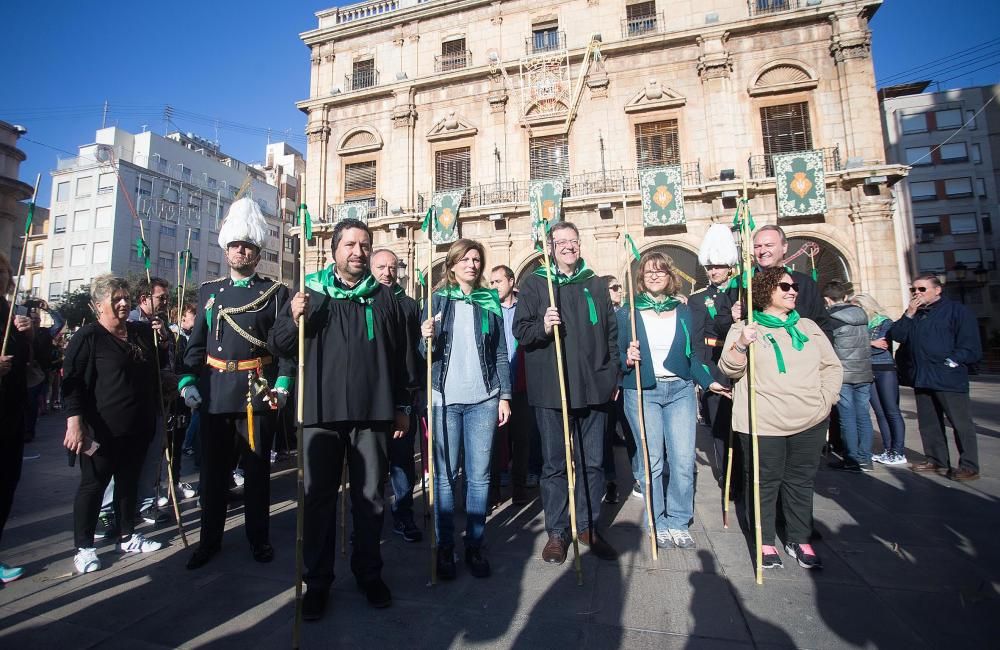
pixel 638 371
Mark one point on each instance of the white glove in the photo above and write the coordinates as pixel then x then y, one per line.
pixel 280 398
pixel 191 396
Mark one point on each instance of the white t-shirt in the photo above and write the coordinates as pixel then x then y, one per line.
pixel 660 335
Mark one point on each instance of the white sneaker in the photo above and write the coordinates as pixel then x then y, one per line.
pixel 161 502
pixel 238 477
pixel 86 560
pixel 663 539
pixel 681 538
pixel 896 459
pixel 882 458
pixel 187 490
pixel 636 492
pixel 139 544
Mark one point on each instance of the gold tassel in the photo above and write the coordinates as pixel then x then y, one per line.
pixel 253 447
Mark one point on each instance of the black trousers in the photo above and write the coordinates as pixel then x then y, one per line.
pixel 525 445
pixel 219 433
pixel 788 467
pixel 176 430
pixel 365 445
pixel 587 428
pixel 119 457
pixel 11 458
pixel 718 413
pixel 932 407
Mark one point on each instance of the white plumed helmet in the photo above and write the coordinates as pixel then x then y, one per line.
pixel 718 247
pixel 244 222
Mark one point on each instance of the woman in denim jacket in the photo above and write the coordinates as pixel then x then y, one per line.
pixel 668 371
pixel 471 397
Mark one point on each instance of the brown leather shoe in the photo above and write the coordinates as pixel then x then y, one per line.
pixel 555 550
pixel 963 474
pixel 597 545
pixel 928 466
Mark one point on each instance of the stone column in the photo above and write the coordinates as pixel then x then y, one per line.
pixel 876 268
pixel 850 46
pixel 715 68
pixel 399 161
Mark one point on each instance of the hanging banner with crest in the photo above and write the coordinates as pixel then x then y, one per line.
pixel 800 183
pixel 357 210
pixel 545 201
pixel 662 196
pixel 446 206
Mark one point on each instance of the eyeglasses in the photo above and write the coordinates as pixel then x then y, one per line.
pixel 656 273
pixel 615 287
pixel 916 289
pixel 560 243
pixel 789 286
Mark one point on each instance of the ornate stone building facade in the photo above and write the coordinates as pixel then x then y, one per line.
pixel 408 98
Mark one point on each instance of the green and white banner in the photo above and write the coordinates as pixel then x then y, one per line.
pixel 357 210
pixel 800 183
pixel 662 195
pixel 446 208
pixel 545 202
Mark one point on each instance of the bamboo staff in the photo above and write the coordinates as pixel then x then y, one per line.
pixel 429 344
pixel 182 281
pixel 743 270
pixel 167 448
pixel 567 441
pixel 638 390
pixel 20 268
pixel 751 392
pixel 300 393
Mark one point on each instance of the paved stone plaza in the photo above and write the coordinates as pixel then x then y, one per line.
pixel 911 561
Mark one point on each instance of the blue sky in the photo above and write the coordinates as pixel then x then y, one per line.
pixel 243 63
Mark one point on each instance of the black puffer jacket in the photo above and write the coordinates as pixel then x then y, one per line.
pixel 851 342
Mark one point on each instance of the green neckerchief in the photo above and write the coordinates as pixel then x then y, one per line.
pixel 244 283
pixel 325 282
pixel 773 322
pixel 645 302
pixel 398 291
pixel 487 299
pixel 877 320
pixel 582 273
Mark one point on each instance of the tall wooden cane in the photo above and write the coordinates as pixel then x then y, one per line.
pixel 429 344
pixel 182 281
pixel 634 313
pixel 567 441
pixel 746 234
pixel 300 394
pixel 168 447
pixel 20 269
pixel 743 271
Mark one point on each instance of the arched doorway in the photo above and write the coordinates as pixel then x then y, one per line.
pixel 685 261
pixel 528 268
pixel 831 264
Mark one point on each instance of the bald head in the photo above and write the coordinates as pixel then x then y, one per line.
pixel 385 266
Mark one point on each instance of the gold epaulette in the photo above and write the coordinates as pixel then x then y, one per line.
pixel 215 280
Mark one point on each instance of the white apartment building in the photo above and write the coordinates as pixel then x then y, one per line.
pixel 175 184
pixel 282 167
pixel 950 195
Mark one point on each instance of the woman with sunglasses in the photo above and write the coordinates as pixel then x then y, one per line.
pixel 668 369
pixel 109 394
pixel 471 397
pixel 796 378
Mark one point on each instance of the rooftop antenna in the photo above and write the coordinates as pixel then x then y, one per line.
pixel 168 113
pixel 104 117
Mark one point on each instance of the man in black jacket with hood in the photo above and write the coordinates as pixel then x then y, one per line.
pixel 589 333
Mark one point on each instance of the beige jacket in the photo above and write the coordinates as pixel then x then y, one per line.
pixel 786 403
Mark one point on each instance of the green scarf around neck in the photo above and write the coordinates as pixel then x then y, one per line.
pixel 487 299
pixel 789 325
pixel 325 282
pixel 581 274
pixel 398 291
pixel 877 320
pixel 645 302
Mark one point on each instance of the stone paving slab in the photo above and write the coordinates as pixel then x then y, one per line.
pixel 911 561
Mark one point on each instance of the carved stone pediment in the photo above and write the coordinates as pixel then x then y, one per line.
pixel 451 126
pixel 653 97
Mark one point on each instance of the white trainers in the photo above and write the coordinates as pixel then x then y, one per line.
pixel 895 459
pixel 161 502
pixel 86 560
pixel 882 458
pixel 681 538
pixel 663 539
pixel 636 492
pixel 186 490
pixel 238 477
pixel 139 544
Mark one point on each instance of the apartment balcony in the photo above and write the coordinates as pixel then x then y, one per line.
pixel 361 80
pixel 542 42
pixel 376 208
pixel 766 7
pixel 449 62
pixel 34 265
pixel 762 165
pixel 638 26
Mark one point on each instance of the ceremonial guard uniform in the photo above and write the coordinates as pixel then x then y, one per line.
pixel 228 366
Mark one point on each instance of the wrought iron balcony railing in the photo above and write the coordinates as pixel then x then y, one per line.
pixel 545 41
pixel 642 25
pixel 765 7
pixel 376 208
pixel 449 62
pixel 762 165
pixel 361 79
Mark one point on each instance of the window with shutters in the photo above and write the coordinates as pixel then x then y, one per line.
pixel 548 157
pixel 453 55
pixel 452 169
pixel 58 257
pixel 656 144
pixel 359 182
pixel 786 128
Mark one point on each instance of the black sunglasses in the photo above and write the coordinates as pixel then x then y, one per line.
pixel 615 287
pixel 789 286
pixel 916 289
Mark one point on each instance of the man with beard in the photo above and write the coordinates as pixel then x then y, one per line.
pixel 358 376
pixel 228 367
pixel 402 473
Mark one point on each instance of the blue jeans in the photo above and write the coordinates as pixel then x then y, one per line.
pixel 402 473
pixel 885 403
pixel 856 422
pixel 463 430
pixel 670 412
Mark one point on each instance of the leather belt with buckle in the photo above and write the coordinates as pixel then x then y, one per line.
pixel 235 365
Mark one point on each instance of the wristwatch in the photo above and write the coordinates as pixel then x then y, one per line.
pixel 739 348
